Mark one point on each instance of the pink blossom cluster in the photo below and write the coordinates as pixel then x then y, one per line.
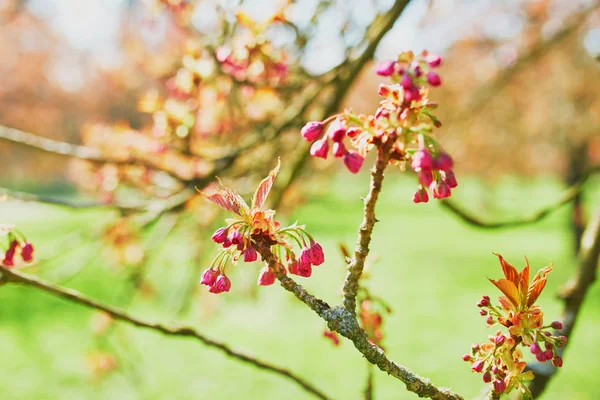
pixel 405 117
pixel 15 247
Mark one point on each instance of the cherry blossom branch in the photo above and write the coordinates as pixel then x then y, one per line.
pixel 13 276
pixel 573 295
pixel 356 265
pixel 565 198
pixel 342 321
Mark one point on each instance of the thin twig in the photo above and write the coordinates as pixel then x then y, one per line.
pixel 345 323
pixel 356 265
pixel 369 386
pixel 573 295
pixel 565 198
pixel 13 276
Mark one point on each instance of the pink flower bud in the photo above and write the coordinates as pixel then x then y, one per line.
pixel 548 354
pixel 549 346
pixel 494 370
pixel 227 243
pixel 499 386
pixel 477 366
pixel 27 252
pixel 220 235
pixel 483 313
pixel 440 190
pixel 418 71
pixel 450 179
pixel 556 325
pixel 563 341
pixel 406 82
pixel 250 254
pixel 304 269
pixel 421 196
pixel 384 90
pixel 499 340
pixel 385 68
pixel 266 277
pixel 9 256
pixel 475 347
pixel 305 256
pixel 487 377
pixel 489 320
pixel 337 131
pixel 421 160
pixel 425 177
pixel 412 95
pixel 332 336
pixel 434 60
pixel 484 302
pixel 293 267
pixel 236 237
pixel 209 277
pixel 466 357
pixel 339 149
pixel 222 284
pixel 541 357
pixel 433 79
pixel 353 161
pixel 320 148
pixel 443 162
pixel 312 130
pixel 317 257
pixel 557 362
pixel 535 348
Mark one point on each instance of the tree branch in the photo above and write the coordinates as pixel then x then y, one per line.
pixel 13 276
pixel 356 265
pixel 345 323
pixel 566 197
pixel 573 295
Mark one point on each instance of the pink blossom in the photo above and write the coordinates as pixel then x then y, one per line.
pixel 499 386
pixel 421 160
pixel 353 132
pixel 353 161
pixel 487 377
pixel 312 130
pixel 450 179
pixel 385 68
pixel 440 190
pixel 443 162
pixel 337 131
pixel 222 284
pixel 209 277
pixel 412 94
pixel 434 79
pixel 434 60
pixel 304 269
pixel 557 362
pixel 421 196
pixel 317 257
pixel 220 235
pixel 320 148
pixel 425 177
pixel 339 149
pixel 477 366
pixel 266 277
pixel 406 82
pixel 27 252
pixel 535 348
pixel 250 254
pixel 556 325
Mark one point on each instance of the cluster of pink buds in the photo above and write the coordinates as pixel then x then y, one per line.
pixel 252 226
pixel 16 248
pixel 404 118
pixel 500 359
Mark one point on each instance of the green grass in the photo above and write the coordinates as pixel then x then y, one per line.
pixel 430 267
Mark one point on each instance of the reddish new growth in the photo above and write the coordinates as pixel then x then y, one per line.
pixel 404 116
pixel 14 247
pixel 500 359
pixel 252 225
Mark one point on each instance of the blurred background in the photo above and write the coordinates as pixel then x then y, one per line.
pixel 162 95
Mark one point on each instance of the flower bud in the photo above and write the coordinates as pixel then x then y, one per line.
pixel 220 235
pixel 466 357
pixel 222 284
pixel 317 257
pixel 236 237
pixel 353 132
pixel 337 131
pixel 320 148
pixel 556 325
pixel 433 79
pixel 9 256
pixel 304 269
pixel 483 313
pixel 535 348
pixel 563 341
pixel 293 267
pixel 487 377
pixel 557 362
pixel 412 95
pixel 353 161
pixel 385 68
pixel 494 370
pixel 548 354
pixel 443 162
pixel 227 243
pixel 209 277
pixel 266 277
pixel 434 60
pixel 484 302
pixel 499 386
pixel 421 196
pixel 499 340
pixel 305 256
pixel 339 149
pixel 250 254
pixel 27 252
pixel 477 366
pixel 312 130
pixel 406 82
pixel 421 160
pixel 541 357
pixel 489 320
pixel 450 179
pixel 440 190
pixel 425 177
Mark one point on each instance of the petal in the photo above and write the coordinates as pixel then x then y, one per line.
pixel 263 189
pixel 226 199
pixel 537 285
pixel 509 289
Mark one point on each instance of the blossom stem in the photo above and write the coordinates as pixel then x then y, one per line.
pixel 356 265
